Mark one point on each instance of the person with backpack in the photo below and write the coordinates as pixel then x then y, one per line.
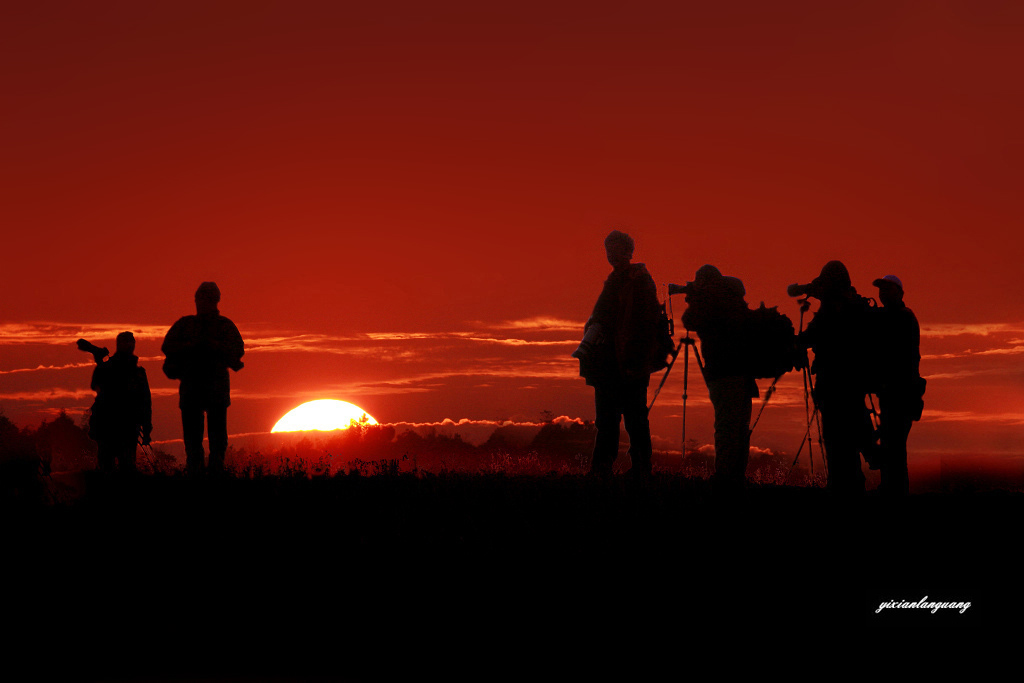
pixel 200 349
pixel 839 336
pixel 123 409
pixel 717 312
pixel 622 345
pixel 900 386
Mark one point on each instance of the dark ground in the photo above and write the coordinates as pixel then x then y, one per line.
pixel 387 577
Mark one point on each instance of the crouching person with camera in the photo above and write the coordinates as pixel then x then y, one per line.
pixel 718 314
pixel 621 348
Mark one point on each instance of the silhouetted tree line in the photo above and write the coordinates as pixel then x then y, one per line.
pixel 29 455
pixel 379 449
pixel 55 445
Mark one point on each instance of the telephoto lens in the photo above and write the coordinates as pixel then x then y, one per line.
pixel 797 289
pixel 99 353
pixel 679 289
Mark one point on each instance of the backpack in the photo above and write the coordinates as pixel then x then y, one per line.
pixel 664 344
pixel 772 342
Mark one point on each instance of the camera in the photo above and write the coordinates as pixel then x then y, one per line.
pixel 810 289
pixel 680 289
pixel 98 353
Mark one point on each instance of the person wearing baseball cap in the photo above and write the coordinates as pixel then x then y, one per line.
pixel 900 385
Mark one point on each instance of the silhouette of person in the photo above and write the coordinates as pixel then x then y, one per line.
pixel 900 385
pixel 717 312
pixel 200 349
pixel 619 352
pixel 838 336
pixel 123 407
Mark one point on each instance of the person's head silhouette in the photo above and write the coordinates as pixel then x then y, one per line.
pixel 619 248
pixel 126 343
pixel 207 298
pixel 890 290
pixel 833 280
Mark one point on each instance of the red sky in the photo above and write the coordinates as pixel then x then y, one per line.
pixel 385 193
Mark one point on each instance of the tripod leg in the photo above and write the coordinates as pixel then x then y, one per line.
pixel 805 439
pixel 821 441
pixel 767 397
pixel 807 412
pixel 675 355
pixel 686 384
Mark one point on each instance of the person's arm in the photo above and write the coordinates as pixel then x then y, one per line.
pixel 913 343
pixel 145 401
pixel 174 347
pixel 234 347
pixel 809 337
pixel 174 341
pixel 604 309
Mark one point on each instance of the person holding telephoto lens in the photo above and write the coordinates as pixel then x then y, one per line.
pixel 620 350
pixel 122 415
pixel 838 335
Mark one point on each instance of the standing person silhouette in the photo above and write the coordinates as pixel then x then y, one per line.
pixel 619 352
pixel 123 408
pixel 838 336
pixel 199 349
pixel 718 313
pixel 900 387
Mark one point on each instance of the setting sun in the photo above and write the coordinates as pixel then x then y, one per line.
pixel 323 415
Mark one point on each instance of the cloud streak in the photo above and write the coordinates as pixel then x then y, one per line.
pixel 70 366
pixel 60 333
pixel 38 368
pixel 538 323
pixel 561 420
pixel 971 416
pixel 57 333
pixel 63 394
pixel 942 330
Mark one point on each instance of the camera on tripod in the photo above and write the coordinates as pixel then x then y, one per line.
pixel 810 289
pixel 98 353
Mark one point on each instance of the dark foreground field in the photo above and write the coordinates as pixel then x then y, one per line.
pixel 381 577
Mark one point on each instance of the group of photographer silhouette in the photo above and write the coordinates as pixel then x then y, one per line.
pixel 199 351
pixel 859 349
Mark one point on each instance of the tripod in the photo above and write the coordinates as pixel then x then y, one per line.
pixel 813 418
pixel 686 342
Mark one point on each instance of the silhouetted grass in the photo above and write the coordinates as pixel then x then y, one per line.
pixel 304 558
pixel 377 572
